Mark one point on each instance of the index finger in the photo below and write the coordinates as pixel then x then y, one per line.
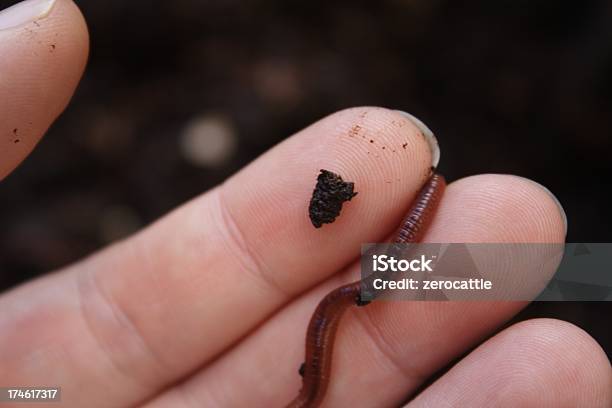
pixel 166 301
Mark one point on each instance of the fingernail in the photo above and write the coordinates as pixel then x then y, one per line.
pixel 556 200
pixel 429 136
pixel 24 12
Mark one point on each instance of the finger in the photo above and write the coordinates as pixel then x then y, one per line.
pixel 44 46
pixel 538 363
pixel 155 307
pixel 393 346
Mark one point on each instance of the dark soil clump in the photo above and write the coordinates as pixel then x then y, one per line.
pixel 327 198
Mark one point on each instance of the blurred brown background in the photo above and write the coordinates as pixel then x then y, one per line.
pixel 178 95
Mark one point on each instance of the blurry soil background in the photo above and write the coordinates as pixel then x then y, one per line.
pixel 178 95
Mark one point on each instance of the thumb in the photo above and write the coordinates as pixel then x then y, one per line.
pixel 43 49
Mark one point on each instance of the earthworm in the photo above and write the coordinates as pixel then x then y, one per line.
pixel 324 322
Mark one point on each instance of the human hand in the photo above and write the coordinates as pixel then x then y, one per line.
pixel 209 305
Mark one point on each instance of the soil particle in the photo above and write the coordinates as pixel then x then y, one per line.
pixel 354 131
pixel 327 198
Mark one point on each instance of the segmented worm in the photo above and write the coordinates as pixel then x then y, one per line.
pixel 326 317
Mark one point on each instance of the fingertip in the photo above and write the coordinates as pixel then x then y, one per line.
pixel 544 203
pixel 429 136
pixel 72 19
pixel 554 199
pixel 539 362
pixel 498 208
pixel 43 59
pixel 563 355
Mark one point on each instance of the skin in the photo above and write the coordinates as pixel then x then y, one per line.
pixel 151 322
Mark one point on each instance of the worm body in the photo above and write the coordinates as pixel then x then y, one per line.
pixel 420 215
pixel 324 322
